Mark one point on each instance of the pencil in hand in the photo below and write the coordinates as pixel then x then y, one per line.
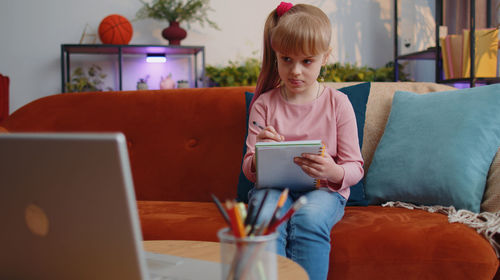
pixel 257 125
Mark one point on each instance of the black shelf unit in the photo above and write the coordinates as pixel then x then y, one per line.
pixel 434 53
pixel 120 50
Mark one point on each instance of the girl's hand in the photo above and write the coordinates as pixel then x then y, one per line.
pixel 269 134
pixel 321 167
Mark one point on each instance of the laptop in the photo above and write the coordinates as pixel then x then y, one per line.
pixel 68 211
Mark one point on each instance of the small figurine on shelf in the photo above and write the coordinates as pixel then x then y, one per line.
pixel 182 84
pixel 142 84
pixel 167 82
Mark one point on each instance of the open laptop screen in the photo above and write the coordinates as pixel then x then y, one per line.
pixel 68 208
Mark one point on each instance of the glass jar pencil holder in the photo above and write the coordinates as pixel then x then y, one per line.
pixel 251 257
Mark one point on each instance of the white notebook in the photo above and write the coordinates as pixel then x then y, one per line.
pixel 275 166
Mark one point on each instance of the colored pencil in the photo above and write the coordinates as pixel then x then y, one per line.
pixel 296 206
pixel 252 226
pixel 221 209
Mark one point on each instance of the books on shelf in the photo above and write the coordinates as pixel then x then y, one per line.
pixel 445 53
pixel 276 168
pixel 445 48
pixel 485 57
pixel 455 49
pixel 456 46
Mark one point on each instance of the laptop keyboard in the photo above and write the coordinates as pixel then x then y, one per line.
pixel 153 276
pixel 159 264
pixel 155 264
pixel 169 267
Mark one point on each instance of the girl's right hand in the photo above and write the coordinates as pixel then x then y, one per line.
pixel 269 134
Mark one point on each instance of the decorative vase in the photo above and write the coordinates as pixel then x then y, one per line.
pixel 174 33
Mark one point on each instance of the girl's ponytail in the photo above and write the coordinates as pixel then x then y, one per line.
pixel 268 77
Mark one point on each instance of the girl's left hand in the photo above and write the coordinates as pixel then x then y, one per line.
pixel 320 167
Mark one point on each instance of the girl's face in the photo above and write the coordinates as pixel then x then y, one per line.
pixel 298 72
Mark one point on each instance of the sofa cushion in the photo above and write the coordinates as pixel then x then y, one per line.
pixel 491 199
pixel 358 95
pixel 174 220
pixel 378 108
pixel 437 148
pixel 377 113
pixel 390 242
pixel 398 243
pixel 244 185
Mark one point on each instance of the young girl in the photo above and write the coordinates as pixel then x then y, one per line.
pixel 290 104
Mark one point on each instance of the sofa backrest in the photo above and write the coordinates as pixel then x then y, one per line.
pixel 184 144
pixel 204 130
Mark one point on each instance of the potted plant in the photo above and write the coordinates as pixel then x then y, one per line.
pixel 175 12
pixel 142 83
pixel 237 73
pixel 89 80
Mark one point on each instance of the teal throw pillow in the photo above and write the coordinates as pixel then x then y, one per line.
pixel 244 185
pixel 358 95
pixel 437 148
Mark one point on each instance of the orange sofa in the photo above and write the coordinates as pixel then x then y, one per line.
pixel 186 144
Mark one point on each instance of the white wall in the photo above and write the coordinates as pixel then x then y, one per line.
pixel 31 32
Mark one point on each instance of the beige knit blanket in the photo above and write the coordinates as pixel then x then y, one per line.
pixel 485 223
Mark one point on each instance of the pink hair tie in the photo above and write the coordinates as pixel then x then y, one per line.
pixel 283 7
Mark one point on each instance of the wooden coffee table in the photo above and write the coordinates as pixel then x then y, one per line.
pixel 210 251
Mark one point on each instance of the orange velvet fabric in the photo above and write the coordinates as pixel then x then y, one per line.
pixel 368 243
pixel 173 220
pixel 376 242
pixel 184 144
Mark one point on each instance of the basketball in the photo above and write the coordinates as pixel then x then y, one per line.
pixel 116 30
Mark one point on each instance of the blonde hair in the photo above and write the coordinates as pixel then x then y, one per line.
pixel 304 29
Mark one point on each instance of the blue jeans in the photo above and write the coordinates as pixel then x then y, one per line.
pixel 305 238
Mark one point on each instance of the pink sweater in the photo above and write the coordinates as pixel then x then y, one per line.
pixel 329 118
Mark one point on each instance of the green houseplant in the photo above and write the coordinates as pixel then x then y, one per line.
pixel 175 12
pixel 235 74
pixel 347 72
pixel 245 73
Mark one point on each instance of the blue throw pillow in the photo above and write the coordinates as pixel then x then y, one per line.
pixel 244 185
pixel 358 95
pixel 437 148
